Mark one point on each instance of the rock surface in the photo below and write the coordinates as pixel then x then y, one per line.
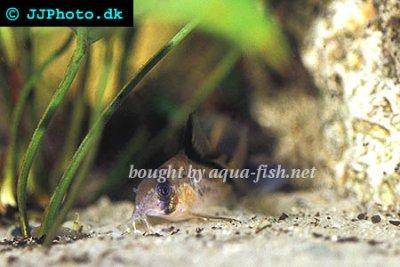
pixel 353 52
pixel 286 229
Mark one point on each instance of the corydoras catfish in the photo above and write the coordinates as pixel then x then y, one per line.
pixel 189 190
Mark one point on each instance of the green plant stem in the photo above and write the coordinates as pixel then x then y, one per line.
pixel 74 191
pixel 88 162
pixel 84 169
pixel 75 125
pixel 10 167
pixel 44 122
pixel 83 149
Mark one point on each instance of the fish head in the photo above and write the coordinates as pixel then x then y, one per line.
pixel 170 198
pixel 156 199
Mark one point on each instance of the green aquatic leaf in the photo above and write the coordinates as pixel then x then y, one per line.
pixel 9 45
pixel 245 23
pixel 97 33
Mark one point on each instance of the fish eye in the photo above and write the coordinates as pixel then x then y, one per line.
pixel 164 190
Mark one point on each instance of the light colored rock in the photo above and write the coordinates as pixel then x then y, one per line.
pixel 353 52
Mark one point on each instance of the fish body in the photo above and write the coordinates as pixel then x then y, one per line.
pixel 182 196
pixel 190 190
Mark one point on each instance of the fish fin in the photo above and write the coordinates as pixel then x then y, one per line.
pixel 237 158
pixel 237 161
pixel 217 131
pixel 240 154
pixel 197 145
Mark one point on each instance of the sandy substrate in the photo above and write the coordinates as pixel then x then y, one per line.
pixel 297 229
